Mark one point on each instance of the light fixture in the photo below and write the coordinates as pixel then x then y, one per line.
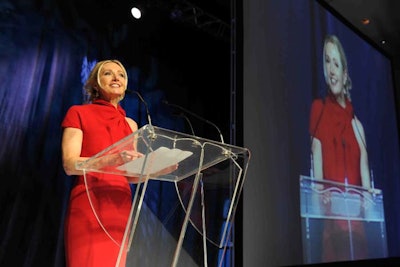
pixel 365 21
pixel 136 12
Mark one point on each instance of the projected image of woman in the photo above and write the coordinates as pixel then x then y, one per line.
pixel 339 150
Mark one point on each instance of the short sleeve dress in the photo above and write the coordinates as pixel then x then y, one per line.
pixel 331 124
pixel 94 238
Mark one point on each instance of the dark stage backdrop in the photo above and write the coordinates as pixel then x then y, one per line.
pixel 283 73
pixel 46 49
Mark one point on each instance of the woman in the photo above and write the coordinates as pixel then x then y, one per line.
pixel 94 238
pixel 339 149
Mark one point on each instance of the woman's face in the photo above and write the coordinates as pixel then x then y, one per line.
pixel 335 74
pixel 112 81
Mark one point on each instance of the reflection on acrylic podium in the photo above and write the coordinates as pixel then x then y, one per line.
pixel 325 203
pixel 185 193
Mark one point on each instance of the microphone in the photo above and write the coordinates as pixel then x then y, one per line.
pixel 196 116
pixel 181 114
pixel 144 103
pixel 346 179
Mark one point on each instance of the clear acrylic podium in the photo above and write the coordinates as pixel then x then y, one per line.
pixel 324 202
pixel 185 190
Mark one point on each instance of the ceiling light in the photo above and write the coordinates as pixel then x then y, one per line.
pixel 365 21
pixel 136 13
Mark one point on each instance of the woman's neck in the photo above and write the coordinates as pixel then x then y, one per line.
pixel 112 101
pixel 341 99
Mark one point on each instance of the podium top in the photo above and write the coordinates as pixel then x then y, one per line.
pixel 161 149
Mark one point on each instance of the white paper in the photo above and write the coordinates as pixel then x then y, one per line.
pixel 157 160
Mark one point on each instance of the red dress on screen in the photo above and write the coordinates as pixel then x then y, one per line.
pixel 331 124
pixel 86 242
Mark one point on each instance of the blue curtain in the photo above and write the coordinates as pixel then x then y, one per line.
pixel 39 63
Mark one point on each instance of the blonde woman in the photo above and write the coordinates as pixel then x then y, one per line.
pixel 87 130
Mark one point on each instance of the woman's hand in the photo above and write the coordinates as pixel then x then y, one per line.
pixel 129 155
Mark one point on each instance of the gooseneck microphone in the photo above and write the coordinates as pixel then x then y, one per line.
pixel 196 116
pixel 144 103
pixel 183 115
pixel 346 178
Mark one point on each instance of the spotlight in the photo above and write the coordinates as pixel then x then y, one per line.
pixel 136 13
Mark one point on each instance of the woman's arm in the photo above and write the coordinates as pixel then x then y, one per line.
pixel 71 149
pixel 132 124
pixel 316 150
pixel 364 168
pixel 316 112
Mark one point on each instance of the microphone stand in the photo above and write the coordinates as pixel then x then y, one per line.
pixel 144 103
pixel 181 114
pixel 196 116
pixel 146 107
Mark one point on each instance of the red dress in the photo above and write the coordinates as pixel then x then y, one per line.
pixel 86 242
pixel 331 124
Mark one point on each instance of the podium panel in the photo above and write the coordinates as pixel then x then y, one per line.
pixel 185 190
pixel 341 222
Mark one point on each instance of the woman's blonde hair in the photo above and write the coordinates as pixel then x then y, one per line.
pixel 93 82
